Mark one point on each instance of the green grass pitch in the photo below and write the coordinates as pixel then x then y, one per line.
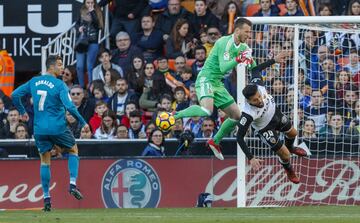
pixel 315 214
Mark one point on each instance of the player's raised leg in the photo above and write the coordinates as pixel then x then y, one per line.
pixel 205 94
pixel 284 159
pixel 45 175
pixel 225 102
pixel 289 143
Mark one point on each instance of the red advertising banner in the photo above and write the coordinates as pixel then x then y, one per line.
pixel 176 182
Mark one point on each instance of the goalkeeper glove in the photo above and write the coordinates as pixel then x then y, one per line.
pixel 245 57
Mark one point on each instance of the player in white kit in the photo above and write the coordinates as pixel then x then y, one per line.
pixel 261 112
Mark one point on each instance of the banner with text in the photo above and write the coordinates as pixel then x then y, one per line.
pixel 36 23
pixel 133 183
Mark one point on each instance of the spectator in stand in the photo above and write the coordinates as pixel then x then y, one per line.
pixel 193 100
pixel 305 96
pixel 338 6
pixel 343 79
pixel 278 91
pixel 334 128
pixel 353 8
pixel 181 101
pixel 309 49
pixel 180 63
pixel 193 124
pixel 218 7
pixel 186 79
pixel 200 57
pixel 169 75
pixel 110 78
pixel 121 97
pixel 267 9
pixel 89 24
pixel 73 125
pixel 126 15
pixel 317 109
pixel 149 128
pixel 293 9
pixel 165 103
pixel 289 104
pixel 354 63
pixel 180 41
pixel 213 35
pixel 84 105
pixel 125 52
pixel 166 20
pixel 69 76
pixel 149 40
pixel 86 134
pixel 95 121
pixel 203 18
pixel 354 127
pixel 122 132
pixel 207 128
pixel 100 94
pixel 134 73
pixel 203 37
pixel 154 86
pixel 104 58
pixel 230 8
pixel 325 9
pixel 13 119
pixel 177 129
pixel 129 107
pixel 347 108
pixel 137 128
pixel 156 144
pixel 107 127
pixel 308 131
pixel 21 131
pixel 3 113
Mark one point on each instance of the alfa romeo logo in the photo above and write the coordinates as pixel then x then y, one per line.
pixel 131 183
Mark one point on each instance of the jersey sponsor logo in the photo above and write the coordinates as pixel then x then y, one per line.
pixel 284 120
pixel 131 183
pixel 226 55
pixel 243 121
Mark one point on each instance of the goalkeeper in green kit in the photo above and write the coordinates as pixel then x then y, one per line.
pixel 226 54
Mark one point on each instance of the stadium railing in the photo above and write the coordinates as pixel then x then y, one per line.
pixel 64 43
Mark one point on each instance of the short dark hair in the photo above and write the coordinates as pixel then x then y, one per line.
pixel 51 60
pixel 250 90
pixel 199 47
pixel 240 21
pixel 103 50
pixel 135 113
pixel 165 96
pixel 179 88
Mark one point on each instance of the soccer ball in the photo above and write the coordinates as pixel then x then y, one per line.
pixel 165 121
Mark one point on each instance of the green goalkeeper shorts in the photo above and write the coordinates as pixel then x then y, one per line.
pixel 207 88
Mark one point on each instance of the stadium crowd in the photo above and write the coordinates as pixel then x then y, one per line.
pixel 157 50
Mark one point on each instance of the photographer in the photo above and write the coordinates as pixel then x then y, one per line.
pixel 88 27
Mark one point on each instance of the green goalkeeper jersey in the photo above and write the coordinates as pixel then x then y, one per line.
pixel 222 59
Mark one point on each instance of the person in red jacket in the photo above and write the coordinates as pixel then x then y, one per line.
pixel 95 120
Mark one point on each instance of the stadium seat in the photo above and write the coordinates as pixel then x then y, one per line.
pixel 188 5
pixel 252 9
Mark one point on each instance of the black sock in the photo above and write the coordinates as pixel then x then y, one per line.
pixel 286 165
pixel 289 143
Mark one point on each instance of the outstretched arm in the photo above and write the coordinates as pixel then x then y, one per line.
pixel 244 123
